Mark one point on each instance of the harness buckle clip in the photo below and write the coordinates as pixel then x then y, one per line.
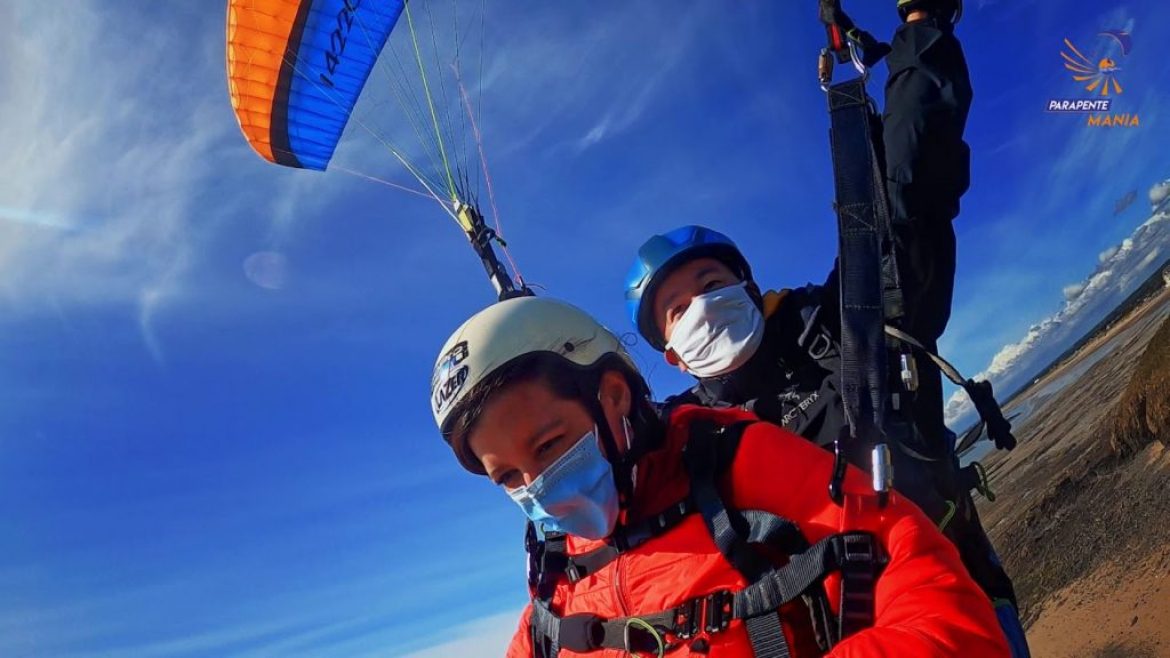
pixel 717 611
pixel 687 619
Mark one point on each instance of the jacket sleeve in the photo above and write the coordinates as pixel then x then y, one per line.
pixel 521 645
pixel 928 97
pixel 926 604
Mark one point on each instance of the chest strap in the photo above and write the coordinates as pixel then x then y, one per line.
pixel 627 538
pixel 851 554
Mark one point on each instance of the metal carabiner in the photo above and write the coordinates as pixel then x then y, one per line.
pixel 825 64
pixel 647 627
pixel 855 55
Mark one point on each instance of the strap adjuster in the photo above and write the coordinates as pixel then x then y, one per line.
pixel 710 614
pixel 687 618
pixel 717 611
pixel 574 572
pixel 857 549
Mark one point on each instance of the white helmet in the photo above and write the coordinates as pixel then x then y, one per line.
pixel 502 332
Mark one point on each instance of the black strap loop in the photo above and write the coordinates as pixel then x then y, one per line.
pixel 627 538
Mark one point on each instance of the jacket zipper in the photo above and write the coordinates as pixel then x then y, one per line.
pixel 617 586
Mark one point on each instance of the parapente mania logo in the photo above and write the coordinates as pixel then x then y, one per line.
pixel 1099 77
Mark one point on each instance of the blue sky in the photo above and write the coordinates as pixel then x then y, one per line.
pixel 192 464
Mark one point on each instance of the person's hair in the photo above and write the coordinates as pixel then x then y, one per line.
pixel 565 379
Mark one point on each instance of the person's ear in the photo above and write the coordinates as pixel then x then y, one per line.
pixel 615 396
pixel 673 360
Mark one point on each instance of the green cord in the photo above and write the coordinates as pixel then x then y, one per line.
pixel 984 486
pixel 951 508
pixel 644 625
pixel 430 103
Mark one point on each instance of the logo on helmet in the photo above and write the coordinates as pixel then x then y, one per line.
pixel 449 377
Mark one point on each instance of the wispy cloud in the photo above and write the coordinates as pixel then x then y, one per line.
pixel 75 121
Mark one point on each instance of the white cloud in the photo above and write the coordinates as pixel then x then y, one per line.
pixel 1120 271
pixel 482 638
pixel 1072 290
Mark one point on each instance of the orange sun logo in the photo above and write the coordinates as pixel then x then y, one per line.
pixel 1102 75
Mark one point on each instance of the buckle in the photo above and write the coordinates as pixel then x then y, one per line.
pixel 717 612
pixel 711 614
pixel 857 549
pixel 687 617
pixel 820 347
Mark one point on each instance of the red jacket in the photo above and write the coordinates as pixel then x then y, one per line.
pixel 926 606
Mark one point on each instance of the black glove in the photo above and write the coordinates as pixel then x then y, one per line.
pixel 999 429
pixel 872 50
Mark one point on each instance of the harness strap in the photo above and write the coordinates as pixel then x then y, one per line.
pixel 870 290
pixel 710 450
pixel 626 538
pixel 980 392
pixel 855 555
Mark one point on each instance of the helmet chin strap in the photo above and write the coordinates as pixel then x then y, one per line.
pixel 644 431
pixel 622 461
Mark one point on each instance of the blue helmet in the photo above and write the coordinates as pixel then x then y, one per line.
pixel 660 255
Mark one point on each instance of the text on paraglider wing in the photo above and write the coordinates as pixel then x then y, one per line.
pixel 338 38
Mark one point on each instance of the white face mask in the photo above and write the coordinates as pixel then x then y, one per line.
pixel 718 332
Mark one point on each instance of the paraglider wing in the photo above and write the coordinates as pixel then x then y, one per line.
pixel 296 68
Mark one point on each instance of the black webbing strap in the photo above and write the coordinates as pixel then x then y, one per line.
pixel 870 290
pixel 547 559
pixel 757 605
pixel 626 538
pixel 710 449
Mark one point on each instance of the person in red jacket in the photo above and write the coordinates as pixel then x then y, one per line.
pixel 706 533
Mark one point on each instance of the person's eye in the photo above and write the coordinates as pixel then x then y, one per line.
pixel 510 480
pixel 544 449
pixel 713 284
